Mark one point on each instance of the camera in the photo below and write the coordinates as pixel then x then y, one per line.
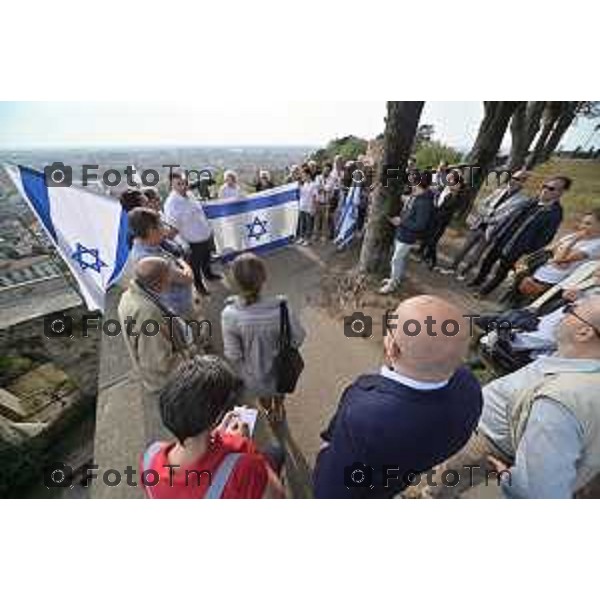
pixel 358 475
pixel 58 326
pixel 58 175
pixel 358 325
pixel 58 475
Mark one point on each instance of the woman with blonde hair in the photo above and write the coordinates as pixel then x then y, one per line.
pixel 230 190
pixel 251 333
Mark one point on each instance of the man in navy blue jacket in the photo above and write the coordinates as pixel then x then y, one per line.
pixel 529 230
pixel 411 226
pixel 419 410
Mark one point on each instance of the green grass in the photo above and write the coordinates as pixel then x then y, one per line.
pixel 585 193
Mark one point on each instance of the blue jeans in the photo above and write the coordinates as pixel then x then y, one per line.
pixel 401 251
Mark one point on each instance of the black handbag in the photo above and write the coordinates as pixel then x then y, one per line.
pixel 288 364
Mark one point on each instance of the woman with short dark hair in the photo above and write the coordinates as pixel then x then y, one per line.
pixel 251 329
pixel 212 456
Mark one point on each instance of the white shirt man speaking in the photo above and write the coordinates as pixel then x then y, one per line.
pixel 187 216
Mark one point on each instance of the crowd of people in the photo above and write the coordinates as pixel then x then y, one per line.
pixel 537 426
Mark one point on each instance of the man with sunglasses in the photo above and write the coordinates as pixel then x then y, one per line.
pixel 529 229
pixel 541 424
pixel 485 219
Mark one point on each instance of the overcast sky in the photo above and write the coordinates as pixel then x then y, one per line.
pixel 314 123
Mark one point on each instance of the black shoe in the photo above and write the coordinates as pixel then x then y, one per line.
pixel 203 291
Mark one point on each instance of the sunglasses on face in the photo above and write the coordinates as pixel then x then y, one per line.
pixel 550 188
pixel 571 310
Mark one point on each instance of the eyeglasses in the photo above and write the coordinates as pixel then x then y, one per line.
pixel 570 310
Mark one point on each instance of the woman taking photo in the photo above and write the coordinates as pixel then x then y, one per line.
pixel 251 333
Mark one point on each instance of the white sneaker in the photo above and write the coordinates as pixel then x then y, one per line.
pixel 299 241
pixel 388 288
pixel 445 271
pixel 460 277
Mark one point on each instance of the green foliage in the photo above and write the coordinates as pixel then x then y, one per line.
pixel 431 153
pixel 423 136
pixel 582 197
pixel 12 367
pixel 349 148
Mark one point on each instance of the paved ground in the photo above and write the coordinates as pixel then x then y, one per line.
pixel 124 425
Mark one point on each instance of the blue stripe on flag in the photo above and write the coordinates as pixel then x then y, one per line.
pixel 122 247
pixel 34 185
pixel 280 243
pixel 218 210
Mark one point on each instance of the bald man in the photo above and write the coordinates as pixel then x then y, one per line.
pixel 156 353
pixel 543 421
pixel 421 408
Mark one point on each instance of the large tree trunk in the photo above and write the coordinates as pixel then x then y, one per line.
pixel 551 115
pixel 485 149
pixel 400 130
pixel 524 126
pixel 561 127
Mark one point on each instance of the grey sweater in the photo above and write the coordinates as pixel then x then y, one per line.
pixel 250 338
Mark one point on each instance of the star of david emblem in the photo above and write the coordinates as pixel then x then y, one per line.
pixel 257 229
pixel 88 258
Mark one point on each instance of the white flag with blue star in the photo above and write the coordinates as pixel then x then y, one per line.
pixel 260 222
pixel 89 231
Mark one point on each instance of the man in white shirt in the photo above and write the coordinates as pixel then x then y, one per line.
pixel 187 216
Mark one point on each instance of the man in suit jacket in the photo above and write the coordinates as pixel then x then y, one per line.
pixel 529 229
pixel 494 210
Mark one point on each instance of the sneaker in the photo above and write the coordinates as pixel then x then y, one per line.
pixel 299 241
pixel 461 277
pixel 306 243
pixel 388 288
pixel 446 271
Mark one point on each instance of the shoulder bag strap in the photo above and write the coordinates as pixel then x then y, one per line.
pixel 285 338
pixel 221 477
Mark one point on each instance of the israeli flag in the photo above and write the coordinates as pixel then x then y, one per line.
pixel 346 226
pixel 88 230
pixel 257 223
